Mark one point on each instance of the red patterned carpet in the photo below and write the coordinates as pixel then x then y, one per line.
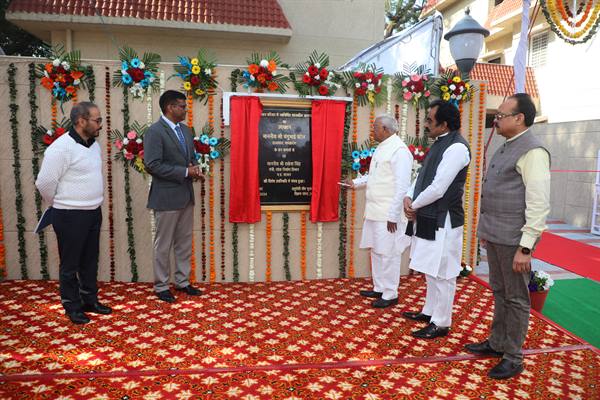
pixel 284 340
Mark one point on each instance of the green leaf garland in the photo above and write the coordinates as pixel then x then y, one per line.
pixel 286 246
pixel 343 230
pixel 91 82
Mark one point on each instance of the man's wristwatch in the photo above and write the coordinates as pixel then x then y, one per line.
pixel 526 250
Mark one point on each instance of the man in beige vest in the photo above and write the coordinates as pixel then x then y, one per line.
pixel 515 202
pixel 384 222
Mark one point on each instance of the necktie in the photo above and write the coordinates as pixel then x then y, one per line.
pixel 181 138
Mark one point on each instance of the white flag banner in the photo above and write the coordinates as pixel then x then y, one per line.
pixel 520 61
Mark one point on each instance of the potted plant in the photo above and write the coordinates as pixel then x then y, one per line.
pixel 539 284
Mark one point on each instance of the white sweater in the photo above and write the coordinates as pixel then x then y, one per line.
pixel 71 175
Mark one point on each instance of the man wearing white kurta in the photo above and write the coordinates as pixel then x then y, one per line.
pixel 438 217
pixel 384 222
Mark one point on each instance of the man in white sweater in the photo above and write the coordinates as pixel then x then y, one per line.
pixel 71 182
pixel 384 222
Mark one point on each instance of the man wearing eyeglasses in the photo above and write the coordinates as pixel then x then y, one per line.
pixel 169 158
pixel 71 182
pixel 515 202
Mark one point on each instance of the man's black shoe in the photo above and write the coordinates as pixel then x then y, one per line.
pixel 381 303
pixel 483 349
pixel 78 317
pixel 371 294
pixel 506 369
pixel 431 331
pixel 97 308
pixel 166 295
pixel 417 316
pixel 190 290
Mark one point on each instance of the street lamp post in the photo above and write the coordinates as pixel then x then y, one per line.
pixel 466 42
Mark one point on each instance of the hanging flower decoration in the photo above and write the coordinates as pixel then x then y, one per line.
pixel 451 87
pixel 314 78
pixel 413 85
pixel 572 27
pixel 418 147
pixel 208 149
pixel 367 84
pixel 131 146
pixel 49 136
pixel 198 75
pixel 262 75
pixel 137 74
pixel 359 160
pixel 63 74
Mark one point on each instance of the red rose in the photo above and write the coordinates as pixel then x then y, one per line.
pixel 60 69
pixel 411 148
pixel 324 74
pixel 204 148
pixel 194 80
pixel 269 76
pixel 47 139
pixel 363 171
pixel 418 86
pixel 132 147
pixel 323 90
pixel 357 75
pixel 313 71
pixel 306 79
pixel 378 89
pixel 369 75
pixel 59 131
pixel 361 91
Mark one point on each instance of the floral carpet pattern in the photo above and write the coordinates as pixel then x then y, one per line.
pixel 282 340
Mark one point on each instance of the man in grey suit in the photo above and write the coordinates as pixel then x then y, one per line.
pixel 169 158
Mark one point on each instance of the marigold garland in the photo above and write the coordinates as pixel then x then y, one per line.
pixel 190 123
pixel 269 233
pixel 286 246
pixel 2 249
pixel 35 168
pixel 353 193
pixel 14 128
pixel 571 29
pixel 478 156
pixel 222 195
pixel 343 227
pixel 211 193
pixel 109 177
pixel 372 125
pixel 468 188
pixel 303 245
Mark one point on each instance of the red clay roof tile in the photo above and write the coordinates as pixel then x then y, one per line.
pixel 499 77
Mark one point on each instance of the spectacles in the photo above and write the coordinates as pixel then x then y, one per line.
pixel 97 120
pixel 500 116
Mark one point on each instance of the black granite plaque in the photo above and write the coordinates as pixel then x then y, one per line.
pixel 284 156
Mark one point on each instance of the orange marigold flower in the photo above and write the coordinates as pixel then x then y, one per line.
pixel 253 68
pixel 273 86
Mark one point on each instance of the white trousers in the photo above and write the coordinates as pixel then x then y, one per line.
pixel 386 274
pixel 439 300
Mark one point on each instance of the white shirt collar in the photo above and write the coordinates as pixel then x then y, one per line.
pixel 516 136
pixel 171 124
pixel 441 136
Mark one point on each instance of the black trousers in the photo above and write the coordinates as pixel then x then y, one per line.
pixel 78 235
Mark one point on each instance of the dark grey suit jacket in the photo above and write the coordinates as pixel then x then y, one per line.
pixel 166 162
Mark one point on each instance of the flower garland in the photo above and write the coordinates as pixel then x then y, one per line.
pixel 127 189
pixel 91 82
pixel 413 85
pixel 63 75
pixel 269 233
pixel 451 87
pixel 2 249
pixel 35 167
pixel 367 84
pixel 211 189
pixel 286 246
pixel 14 126
pixel 236 254
pixel 222 195
pixel 262 75
pixel 198 75
pixel 353 192
pixel 478 156
pixel 468 188
pixel 190 123
pixel 316 79
pixel 417 122
pixel 319 250
pixel 573 29
pixel 343 228
pixel 131 146
pixel 137 76
pixel 109 177
pixel 404 122
pixel 203 227
pixel 251 272
pixel 303 245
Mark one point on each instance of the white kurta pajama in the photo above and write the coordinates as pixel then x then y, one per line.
pixel 440 259
pixel 387 183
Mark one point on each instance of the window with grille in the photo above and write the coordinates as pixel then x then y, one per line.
pixel 538 49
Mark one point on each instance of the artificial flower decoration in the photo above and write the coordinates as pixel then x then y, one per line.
pixel 208 148
pixel 451 87
pixel 413 85
pixel 360 158
pixel 131 146
pixel 137 74
pixel 418 147
pixel 63 75
pixel 313 78
pixel 540 281
pixel 262 74
pixel 198 75
pixel 49 136
pixel 367 84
